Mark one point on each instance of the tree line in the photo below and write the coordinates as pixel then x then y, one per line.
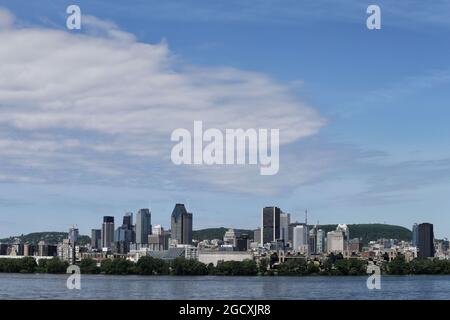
pixel 182 266
pixel 399 266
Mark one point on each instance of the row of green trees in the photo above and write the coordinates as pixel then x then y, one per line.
pixel 145 266
pixel 302 267
pixel 29 265
pixel 181 266
pixel 399 266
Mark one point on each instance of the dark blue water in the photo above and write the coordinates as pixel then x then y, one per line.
pixel 45 286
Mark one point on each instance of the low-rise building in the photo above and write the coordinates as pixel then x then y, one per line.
pixel 215 257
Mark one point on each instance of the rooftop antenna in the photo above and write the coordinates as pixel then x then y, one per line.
pixel 306 217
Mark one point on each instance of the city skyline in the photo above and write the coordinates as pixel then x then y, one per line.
pixel 362 114
pixel 280 232
pixel 300 239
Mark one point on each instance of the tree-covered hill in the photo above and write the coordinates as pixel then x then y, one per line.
pixel 49 237
pixel 215 233
pixel 366 232
pixel 374 231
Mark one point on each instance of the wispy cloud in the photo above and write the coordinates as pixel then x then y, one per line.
pixel 100 107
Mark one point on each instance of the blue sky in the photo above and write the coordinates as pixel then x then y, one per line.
pixel 86 116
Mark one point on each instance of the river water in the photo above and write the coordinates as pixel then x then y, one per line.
pixel 47 286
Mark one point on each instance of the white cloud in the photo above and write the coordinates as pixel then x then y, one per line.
pixel 6 19
pixel 101 96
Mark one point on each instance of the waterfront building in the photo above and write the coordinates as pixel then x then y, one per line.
pixel 312 242
pixel 320 245
pixel 181 225
pixel 231 236
pixel 159 239
pixel 214 257
pixel 355 245
pixel 143 226
pixel 28 250
pixel 285 221
pixel 74 233
pixel 270 222
pixel 300 238
pixel 257 236
pixel 96 239
pixel 107 232
pixel 46 250
pixel 425 240
pixel 335 242
pixel 3 249
pixel 128 221
pixel 415 235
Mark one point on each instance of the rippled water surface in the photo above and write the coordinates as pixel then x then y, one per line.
pixel 46 286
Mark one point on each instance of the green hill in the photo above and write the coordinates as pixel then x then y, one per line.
pixel 367 232
pixel 215 233
pixel 49 237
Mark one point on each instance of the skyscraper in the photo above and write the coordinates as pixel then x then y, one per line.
pixel 143 226
pixel 73 235
pixel 128 220
pixel 181 225
pixel 270 224
pixel 285 220
pixel 107 232
pixel 300 238
pixel 312 242
pixel 425 240
pixel 320 246
pixel 123 235
pixel 415 235
pixel 96 238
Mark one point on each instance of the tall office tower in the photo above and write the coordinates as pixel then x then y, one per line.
pixel 96 238
pixel 107 232
pixel 425 240
pixel 320 245
pixel 285 221
pixel 122 239
pixel 291 230
pixel 143 226
pixel 415 235
pixel 73 235
pixel 300 238
pixel 128 221
pixel 181 225
pixel 346 232
pixel 257 235
pixel 312 243
pixel 270 221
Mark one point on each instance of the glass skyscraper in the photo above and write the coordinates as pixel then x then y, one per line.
pixel 143 226
pixel 181 225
